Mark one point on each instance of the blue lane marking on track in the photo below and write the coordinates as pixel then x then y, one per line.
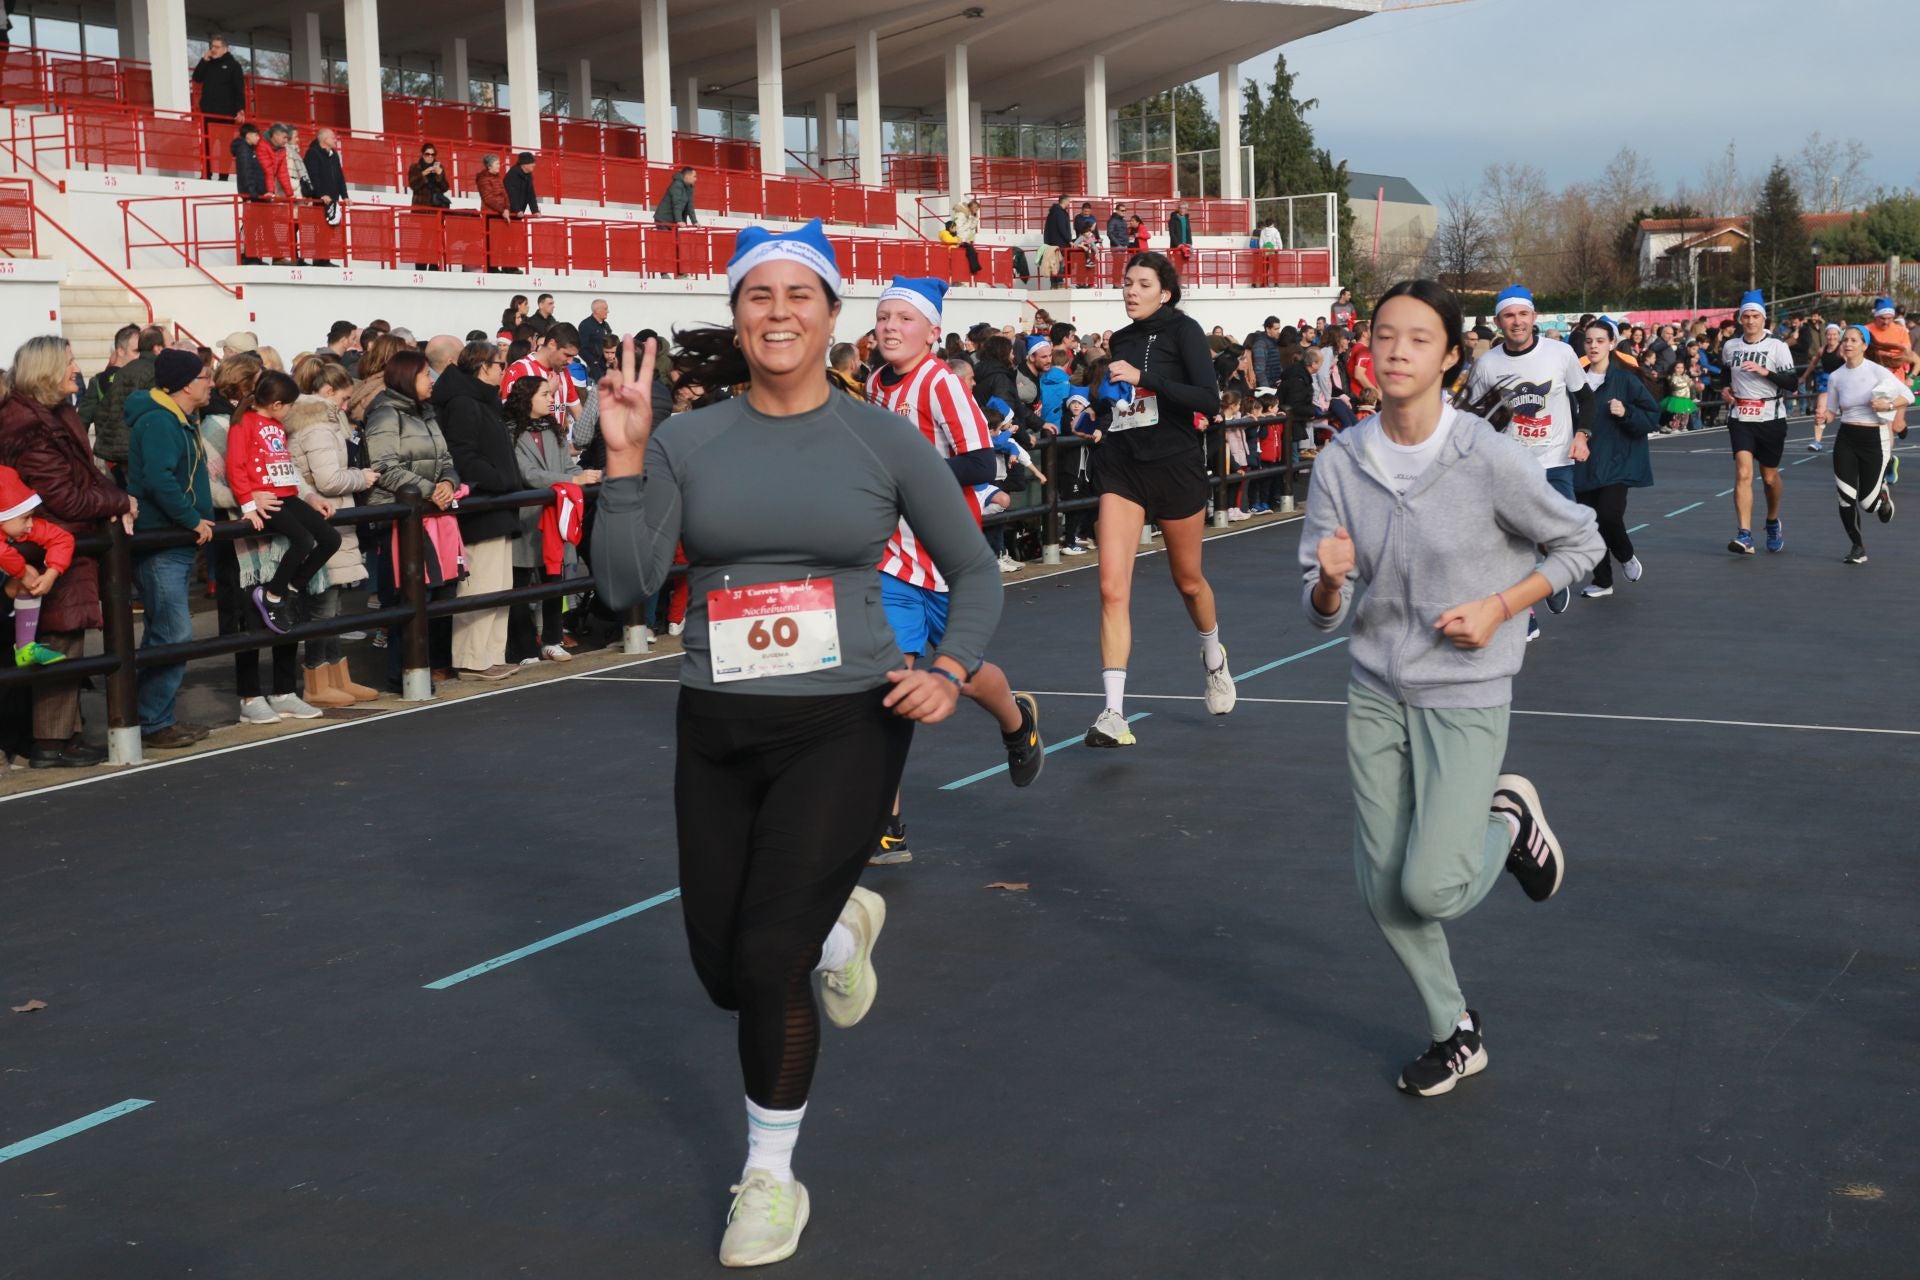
pixel 1061 745
pixel 1281 662
pixel 1637 528
pixel 1682 511
pixel 1723 493
pixel 72 1127
pixel 558 938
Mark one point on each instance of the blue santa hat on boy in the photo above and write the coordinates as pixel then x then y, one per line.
pixel 925 294
pixel 999 411
pixel 806 245
pixel 1882 308
pixel 1514 295
pixel 1751 301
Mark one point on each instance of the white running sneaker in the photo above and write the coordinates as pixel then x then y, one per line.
pixel 1073 550
pixel 675 628
pixel 847 993
pixel 1009 565
pixel 765 1222
pixel 1633 568
pixel 1591 592
pixel 290 706
pixel 554 653
pixel 1110 729
pixel 1221 693
pixel 256 711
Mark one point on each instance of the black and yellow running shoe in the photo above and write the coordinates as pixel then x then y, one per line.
pixel 1025 755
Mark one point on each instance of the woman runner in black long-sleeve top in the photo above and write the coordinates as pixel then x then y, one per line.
pixel 1152 465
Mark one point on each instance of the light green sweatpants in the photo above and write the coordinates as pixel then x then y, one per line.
pixel 1425 845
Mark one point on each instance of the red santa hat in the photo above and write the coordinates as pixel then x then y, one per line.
pixel 15 498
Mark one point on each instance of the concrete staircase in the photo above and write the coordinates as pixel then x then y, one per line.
pixel 92 307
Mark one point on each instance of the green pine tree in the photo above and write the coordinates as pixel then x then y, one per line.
pixel 1782 250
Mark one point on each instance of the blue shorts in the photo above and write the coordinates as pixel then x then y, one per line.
pixel 918 615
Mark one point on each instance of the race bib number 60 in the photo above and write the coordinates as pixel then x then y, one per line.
pixel 775 629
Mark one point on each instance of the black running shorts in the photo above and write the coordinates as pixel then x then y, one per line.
pixel 1168 488
pixel 1766 441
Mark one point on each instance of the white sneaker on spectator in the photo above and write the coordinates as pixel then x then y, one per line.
pixel 291 706
pixel 1073 549
pixel 1009 565
pixel 373 602
pixel 675 628
pixel 554 653
pixel 353 635
pixel 256 711
pixel 1235 515
pixel 529 662
pixel 647 636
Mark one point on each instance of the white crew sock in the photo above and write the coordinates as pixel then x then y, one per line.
pixel 771 1138
pixel 1210 650
pixel 837 950
pixel 1513 825
pixel 1114 681
pixel 1466 1022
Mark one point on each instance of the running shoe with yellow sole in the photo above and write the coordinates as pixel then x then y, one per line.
pixel 847 993
pixel 1025 754
pixel 893 846
pixel 765 1222
pixel 1110 729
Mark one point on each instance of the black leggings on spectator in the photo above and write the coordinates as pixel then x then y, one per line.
pixel 778 802
pixel 237 614
pixel 1609 504
pixel 311 542
pixel 523 640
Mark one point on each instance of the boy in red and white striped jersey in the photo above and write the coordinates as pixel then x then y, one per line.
pixel 919 386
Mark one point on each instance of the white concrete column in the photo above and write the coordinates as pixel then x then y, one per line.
pixel 826 121
pixel 366 109
pixel 1229 91
pixel 309 60
pixel 656 80
pixel 456 77
pixel 1097 135
pixel 773 102
pixel 866 79
pixel 523 76
pixel 130 17
pixel 167 48
pixel 959 125
pixel 580 87
pixel 976 132
pixel 687 107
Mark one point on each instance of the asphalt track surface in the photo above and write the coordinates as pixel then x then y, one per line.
pixel 1171 1055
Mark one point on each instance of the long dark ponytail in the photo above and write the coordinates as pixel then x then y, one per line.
pixel 711 356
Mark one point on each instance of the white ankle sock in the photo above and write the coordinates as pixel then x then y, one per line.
pixel 1210 650
pixel 1513 824
pixel 1114 681
pixel 771 1138
pixel 837 950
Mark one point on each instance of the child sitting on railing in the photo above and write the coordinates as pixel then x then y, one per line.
pixel 266 482
pixel 25 584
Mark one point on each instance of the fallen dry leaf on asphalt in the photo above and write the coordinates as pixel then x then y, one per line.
pixel 31 1006
pixel 1011 887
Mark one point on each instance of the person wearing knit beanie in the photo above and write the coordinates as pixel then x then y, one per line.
pixel 173 370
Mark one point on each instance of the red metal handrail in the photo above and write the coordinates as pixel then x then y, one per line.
pixel 17 194
pixel 42 216
pixel 129 217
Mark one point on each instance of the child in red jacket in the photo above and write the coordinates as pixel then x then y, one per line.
pixel 266 483
pixel 25 584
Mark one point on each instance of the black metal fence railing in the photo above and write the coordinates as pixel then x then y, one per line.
pixel 121 663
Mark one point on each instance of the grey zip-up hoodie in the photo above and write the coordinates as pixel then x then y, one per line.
pixel 1468 527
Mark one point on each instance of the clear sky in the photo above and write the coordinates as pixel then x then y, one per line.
pixel 1434 95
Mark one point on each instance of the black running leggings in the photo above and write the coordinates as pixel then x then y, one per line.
pixel 311 543
pixel 778 801
pixel 1860 457
pixel 1609 504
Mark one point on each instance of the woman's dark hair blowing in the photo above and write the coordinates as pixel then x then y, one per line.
pixel 519 407
pixel 710 356
pixel 1162 266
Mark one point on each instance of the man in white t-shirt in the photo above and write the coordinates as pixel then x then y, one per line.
pixel 1760 370
pixel 1545 386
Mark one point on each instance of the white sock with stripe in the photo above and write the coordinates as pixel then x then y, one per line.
pixel 771 1138
pixel 837 950
pixel 1114 681
pixel 1210 650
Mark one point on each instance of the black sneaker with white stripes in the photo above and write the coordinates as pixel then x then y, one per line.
pixel 1536 859
pixel 1446 1062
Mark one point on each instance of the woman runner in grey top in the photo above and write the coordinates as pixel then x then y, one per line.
pixel 795 707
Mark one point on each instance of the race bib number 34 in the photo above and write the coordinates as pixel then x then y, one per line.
pixel 776 629
pixel 1142 411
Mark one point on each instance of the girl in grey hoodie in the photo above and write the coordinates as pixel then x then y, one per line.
pixel 1435 516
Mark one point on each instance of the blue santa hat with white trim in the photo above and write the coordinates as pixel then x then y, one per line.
pixel 1613 326
pixel 1751 301
pixel 806 245
pixel 926 295
pixel 1514 295
pixel 1882 307
pixel 999 411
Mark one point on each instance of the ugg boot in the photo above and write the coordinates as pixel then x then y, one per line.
pixel 343 681
pixel 323 691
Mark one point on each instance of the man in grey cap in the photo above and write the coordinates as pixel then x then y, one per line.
pixel 239 342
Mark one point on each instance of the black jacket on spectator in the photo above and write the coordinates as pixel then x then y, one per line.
pixel 1266 360
pixel 593 336
pixel 520 194
pixel 475 427
pixel 1117 234
pixel 1059 228
pixel 990 379
pixel 223 86
pixel 324 174
pixel 249 179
